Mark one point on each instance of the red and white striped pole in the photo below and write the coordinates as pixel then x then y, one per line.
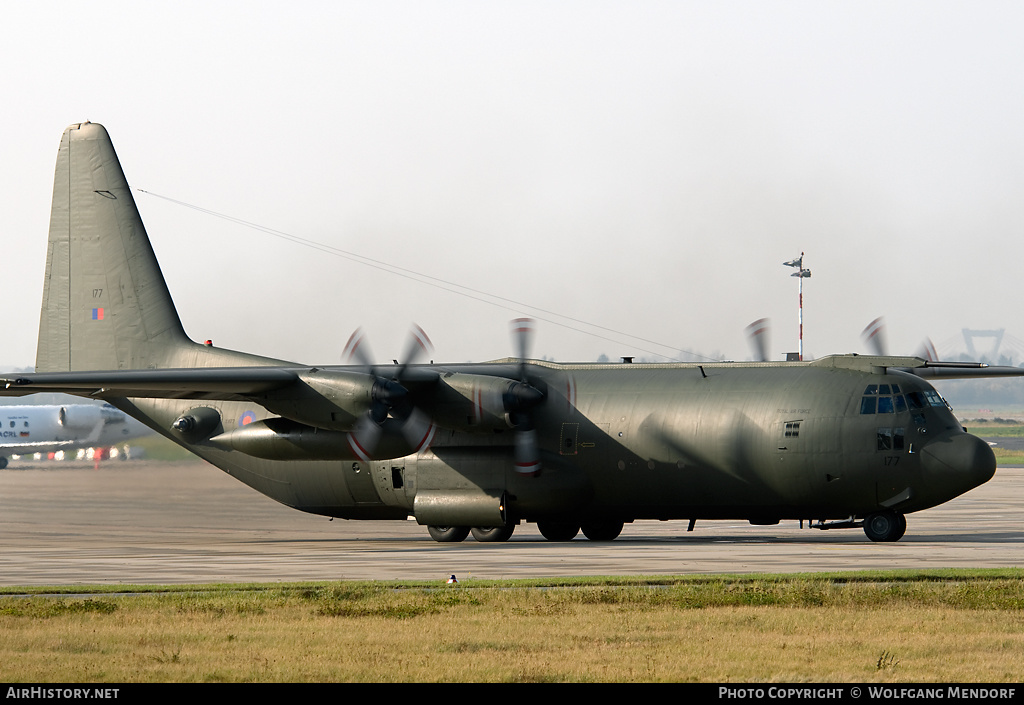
pixel 801 274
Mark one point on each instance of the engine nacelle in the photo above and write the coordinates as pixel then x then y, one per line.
pixel 328 399
pixel 479 403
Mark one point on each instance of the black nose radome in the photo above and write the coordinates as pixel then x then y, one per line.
pixel 959 462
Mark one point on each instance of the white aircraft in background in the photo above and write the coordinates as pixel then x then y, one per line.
pixel 46 429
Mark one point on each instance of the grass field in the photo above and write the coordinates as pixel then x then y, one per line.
pixel 995 429
pixel 941 626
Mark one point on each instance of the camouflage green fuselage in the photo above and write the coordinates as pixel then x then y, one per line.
pixel 760 442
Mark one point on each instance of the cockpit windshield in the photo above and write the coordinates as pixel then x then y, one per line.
pixel 889 399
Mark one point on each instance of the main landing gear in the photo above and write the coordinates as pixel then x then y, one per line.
pixel 483 534
pixel 552 531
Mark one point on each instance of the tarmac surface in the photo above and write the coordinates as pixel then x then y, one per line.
pixel 146 522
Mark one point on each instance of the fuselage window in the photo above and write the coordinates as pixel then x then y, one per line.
pixel 892 439
pixel 885 439
pixel 792 429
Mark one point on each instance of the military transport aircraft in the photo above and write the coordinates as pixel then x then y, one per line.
pixel 50 428
pixel 842 441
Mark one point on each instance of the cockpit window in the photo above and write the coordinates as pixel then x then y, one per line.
pixel 916 400
pixel 883 399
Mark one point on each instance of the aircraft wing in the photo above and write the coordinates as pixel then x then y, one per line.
pixel 919 366
pixel 223 383
pixel 964 370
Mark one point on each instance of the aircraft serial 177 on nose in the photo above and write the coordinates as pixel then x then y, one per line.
pixel 842 441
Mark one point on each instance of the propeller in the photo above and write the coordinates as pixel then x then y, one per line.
pixel 520 400
pixel 757 336
pixel 389 398
pixel 927 351
pixel 874 338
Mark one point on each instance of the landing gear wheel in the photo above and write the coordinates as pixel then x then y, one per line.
pixel 556 531
pixel 3 462
pixel 448 534
pixel 602 530
pixel 885 526
pixel 493 534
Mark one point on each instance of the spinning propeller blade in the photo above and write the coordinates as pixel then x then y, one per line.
pixel 757 335
pixel 389 398
pixel 873 336
pixel 520 401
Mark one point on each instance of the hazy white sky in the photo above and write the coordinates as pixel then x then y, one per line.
pixel 642 166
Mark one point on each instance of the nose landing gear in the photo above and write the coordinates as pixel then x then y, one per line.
pixel 886 525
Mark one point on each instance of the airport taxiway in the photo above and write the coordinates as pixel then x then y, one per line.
pixel 187 522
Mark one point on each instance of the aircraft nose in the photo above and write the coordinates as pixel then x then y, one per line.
pixel 959 462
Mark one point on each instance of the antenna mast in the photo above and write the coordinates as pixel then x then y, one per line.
pixel 800 274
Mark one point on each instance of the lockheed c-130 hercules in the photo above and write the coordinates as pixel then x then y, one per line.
pixel 841 441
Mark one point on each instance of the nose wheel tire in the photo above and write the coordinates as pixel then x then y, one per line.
pixel 885 526
pixel 493 534
pixel 448 534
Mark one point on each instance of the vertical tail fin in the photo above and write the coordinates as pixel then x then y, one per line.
pixel 105 303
